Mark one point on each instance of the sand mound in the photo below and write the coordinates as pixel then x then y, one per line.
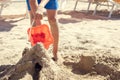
pixel 37 64
pixel 107 66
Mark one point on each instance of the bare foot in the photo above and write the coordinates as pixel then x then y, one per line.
pixel 54 59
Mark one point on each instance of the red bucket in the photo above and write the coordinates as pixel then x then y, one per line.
pixel 40 33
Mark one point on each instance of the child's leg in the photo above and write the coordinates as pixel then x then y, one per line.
pixel 54 29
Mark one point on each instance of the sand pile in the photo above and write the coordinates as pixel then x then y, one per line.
pixel 37 64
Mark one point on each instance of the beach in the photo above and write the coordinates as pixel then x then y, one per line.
pixel 80 33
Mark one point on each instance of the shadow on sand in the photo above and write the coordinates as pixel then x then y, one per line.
pixel 78 16
pixel 7 25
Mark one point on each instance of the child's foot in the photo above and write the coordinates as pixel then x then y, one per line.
pixel 54 59
pixel 58 60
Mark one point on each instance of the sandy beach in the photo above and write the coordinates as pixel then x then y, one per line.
pixel 81 33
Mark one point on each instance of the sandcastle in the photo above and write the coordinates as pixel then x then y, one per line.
pixel 35 62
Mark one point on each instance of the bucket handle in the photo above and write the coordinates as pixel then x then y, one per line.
pixel 29 34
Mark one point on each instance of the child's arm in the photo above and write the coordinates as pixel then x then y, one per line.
pixel 33 6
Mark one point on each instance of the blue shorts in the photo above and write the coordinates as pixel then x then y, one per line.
pixel 52 4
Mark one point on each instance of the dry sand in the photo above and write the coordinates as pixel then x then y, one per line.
pixel 80 34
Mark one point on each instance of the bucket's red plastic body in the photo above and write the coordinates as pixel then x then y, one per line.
pixel 40 33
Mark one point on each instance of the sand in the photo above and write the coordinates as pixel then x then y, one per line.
pixel 81 33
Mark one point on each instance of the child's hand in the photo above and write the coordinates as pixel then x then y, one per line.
pixel 40 10
pixel 39 13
